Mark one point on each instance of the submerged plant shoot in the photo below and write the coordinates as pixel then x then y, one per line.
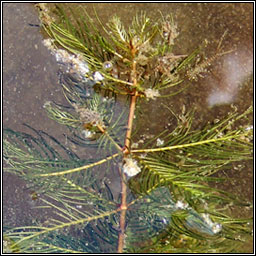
pixel 166 202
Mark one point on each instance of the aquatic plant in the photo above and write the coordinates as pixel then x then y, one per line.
pixel 166 203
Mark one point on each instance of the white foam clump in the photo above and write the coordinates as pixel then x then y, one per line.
pixel 97 76
pixel 47 104
pixel 131 168
pixel 215 227
pixel 151 93
pixel 181 205
pixel 74 62
pixel 236 68
pixel 80 65
pixel 248 128
pixel 88 134
pixel 49 43
pixel 159 142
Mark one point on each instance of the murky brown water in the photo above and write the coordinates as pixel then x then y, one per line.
pixel 30 78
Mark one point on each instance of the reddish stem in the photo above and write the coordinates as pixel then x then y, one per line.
pixel 123 206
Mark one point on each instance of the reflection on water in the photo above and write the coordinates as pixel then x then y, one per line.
pixel 30 75
pixel 237 67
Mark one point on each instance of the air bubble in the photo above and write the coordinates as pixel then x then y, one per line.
pixel 107 66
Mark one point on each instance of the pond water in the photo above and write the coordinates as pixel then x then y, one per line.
pixel 30 79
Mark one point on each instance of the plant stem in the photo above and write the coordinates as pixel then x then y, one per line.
pixel 130 122
pixel 126 151
pixel 189 144
pixel 82 168
pixel 123 206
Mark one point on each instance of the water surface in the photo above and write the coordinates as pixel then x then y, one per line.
pixel 30 79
